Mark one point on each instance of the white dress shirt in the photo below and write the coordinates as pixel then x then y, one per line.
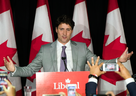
pixel 68 54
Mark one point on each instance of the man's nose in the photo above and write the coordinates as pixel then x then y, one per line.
pixel 65 32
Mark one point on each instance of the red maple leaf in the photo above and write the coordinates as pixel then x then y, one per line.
pixel 35 47
pixel 79 38
pixel 111 51
pixel 114 49
pixel 6 51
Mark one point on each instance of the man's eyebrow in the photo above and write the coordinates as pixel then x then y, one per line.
pixel 69 28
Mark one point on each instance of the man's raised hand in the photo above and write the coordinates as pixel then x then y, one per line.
pixel 9 64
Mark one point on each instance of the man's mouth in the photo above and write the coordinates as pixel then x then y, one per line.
pixel 64 37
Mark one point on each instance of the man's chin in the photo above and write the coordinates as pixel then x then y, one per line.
pixel 64 42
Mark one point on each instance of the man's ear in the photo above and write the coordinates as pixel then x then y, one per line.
pixel 72 30
pixel 56 29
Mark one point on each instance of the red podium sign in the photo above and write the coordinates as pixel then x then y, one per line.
pixel 55 82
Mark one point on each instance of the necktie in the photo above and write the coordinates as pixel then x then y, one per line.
pixel 63 60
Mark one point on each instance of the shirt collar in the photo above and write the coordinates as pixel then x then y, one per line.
pixel 59 45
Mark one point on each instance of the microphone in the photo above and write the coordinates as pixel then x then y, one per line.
pixel 64 58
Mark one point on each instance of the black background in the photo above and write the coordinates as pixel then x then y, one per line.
pixel 24 14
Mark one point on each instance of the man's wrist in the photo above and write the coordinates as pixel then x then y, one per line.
pixel 13 72
pixel 93 75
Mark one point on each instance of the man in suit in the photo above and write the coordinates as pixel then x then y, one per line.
pixel 95 73
pixel 49 56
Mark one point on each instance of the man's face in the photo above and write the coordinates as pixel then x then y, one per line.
pixel 64 32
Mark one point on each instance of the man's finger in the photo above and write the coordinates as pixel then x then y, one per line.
pixel 119 63
pixel 88 64
pixel 101 65
pixel 92 60
pixel 97 60
pixel 5 61
pixel 130 54
pixel 103 72
pixel 126 50
pixel 2 92
pixel 4 88
pixel 7 82
pixel 9 59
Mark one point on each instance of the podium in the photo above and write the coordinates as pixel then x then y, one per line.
pixel 55 82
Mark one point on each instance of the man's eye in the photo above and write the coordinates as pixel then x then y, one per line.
pixel 61 28
pixel 68 29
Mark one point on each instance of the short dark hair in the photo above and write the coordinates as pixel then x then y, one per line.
pixel 65 19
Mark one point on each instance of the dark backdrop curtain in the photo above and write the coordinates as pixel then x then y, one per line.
pixel 24 13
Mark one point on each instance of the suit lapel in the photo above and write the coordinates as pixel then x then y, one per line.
pixel 74 49
pixel 54 55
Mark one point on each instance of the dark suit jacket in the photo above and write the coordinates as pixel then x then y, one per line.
pixel 47 58
pixel 90 88
pixel 132 88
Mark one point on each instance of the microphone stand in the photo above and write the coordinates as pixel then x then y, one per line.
pixel 64 58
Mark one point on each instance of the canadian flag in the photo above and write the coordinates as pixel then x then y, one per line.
pixel 114 45
pixel 42 34
pixel 8 43
pixel 81 31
